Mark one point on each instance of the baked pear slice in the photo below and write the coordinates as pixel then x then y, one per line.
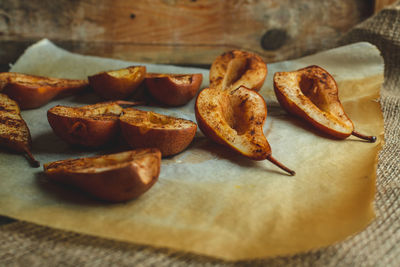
pixel 173 89
pixel 235 118
pixel 142 129
pixel 32 91
pixel 116 177
pixel 235 68
pixel 311 93
pixel 14 133
pixel 117 84
pixel 88 126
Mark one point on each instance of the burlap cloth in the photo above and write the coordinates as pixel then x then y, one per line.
pixel 26 244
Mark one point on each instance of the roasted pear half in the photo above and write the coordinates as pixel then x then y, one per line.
pixel 116 177
pixel 169 134
pixel 14 133
pixel 34 91
pixel 173 89
pixel 311 93
pixel 235 118
pixel 235 68
pixel 117 84
pixel 89 126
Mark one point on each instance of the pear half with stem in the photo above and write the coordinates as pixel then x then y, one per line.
pixel 235 68
pixel 32 91
pixel 235 118
pixel 311 93
pixel 115 177
pixel 14 133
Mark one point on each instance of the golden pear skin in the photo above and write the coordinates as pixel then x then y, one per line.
pixel 311 93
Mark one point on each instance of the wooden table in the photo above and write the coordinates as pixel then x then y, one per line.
pixel 180 32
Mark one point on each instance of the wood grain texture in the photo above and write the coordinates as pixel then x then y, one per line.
pixel 379 4
pixel 178 31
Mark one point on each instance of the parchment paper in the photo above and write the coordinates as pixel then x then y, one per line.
pixel 209 200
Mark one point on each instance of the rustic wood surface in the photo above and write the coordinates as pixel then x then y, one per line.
pixel 379 4
pixel 190 32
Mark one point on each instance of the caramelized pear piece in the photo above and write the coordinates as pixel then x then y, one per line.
pixel 311 93
pixel 231 112
pixel 117 84
pixel 149 129
pixel 173 89
pixel 235 118
pixel 89 126
pixel 14 133
pixel 235 68
pixel 116 177
pixel 34 91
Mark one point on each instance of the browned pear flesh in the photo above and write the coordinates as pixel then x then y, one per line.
pixel 235 118
pixel 117 84
pixel 231 112
pixel 173 89
pixel 34 91
pixel 116 177
pixel 235 68
pixel 14 133
pixel 89 126
pixel 169 134
pixel 311 93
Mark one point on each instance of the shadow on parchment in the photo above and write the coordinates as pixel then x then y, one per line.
pixel 87 97
pixel 305 125
pixel 49 143
pixel 64 193
pixel 225 153
pixel 90 97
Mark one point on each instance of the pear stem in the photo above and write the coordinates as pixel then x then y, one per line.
pixel 370 139
pixel 33 161
pixel 280 165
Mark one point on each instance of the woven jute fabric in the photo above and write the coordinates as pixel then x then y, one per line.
pixel 26 244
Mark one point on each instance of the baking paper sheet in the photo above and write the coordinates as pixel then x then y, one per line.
pixel 209 200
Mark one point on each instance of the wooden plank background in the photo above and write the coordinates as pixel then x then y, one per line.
pixel 184 32
pixel 380 4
